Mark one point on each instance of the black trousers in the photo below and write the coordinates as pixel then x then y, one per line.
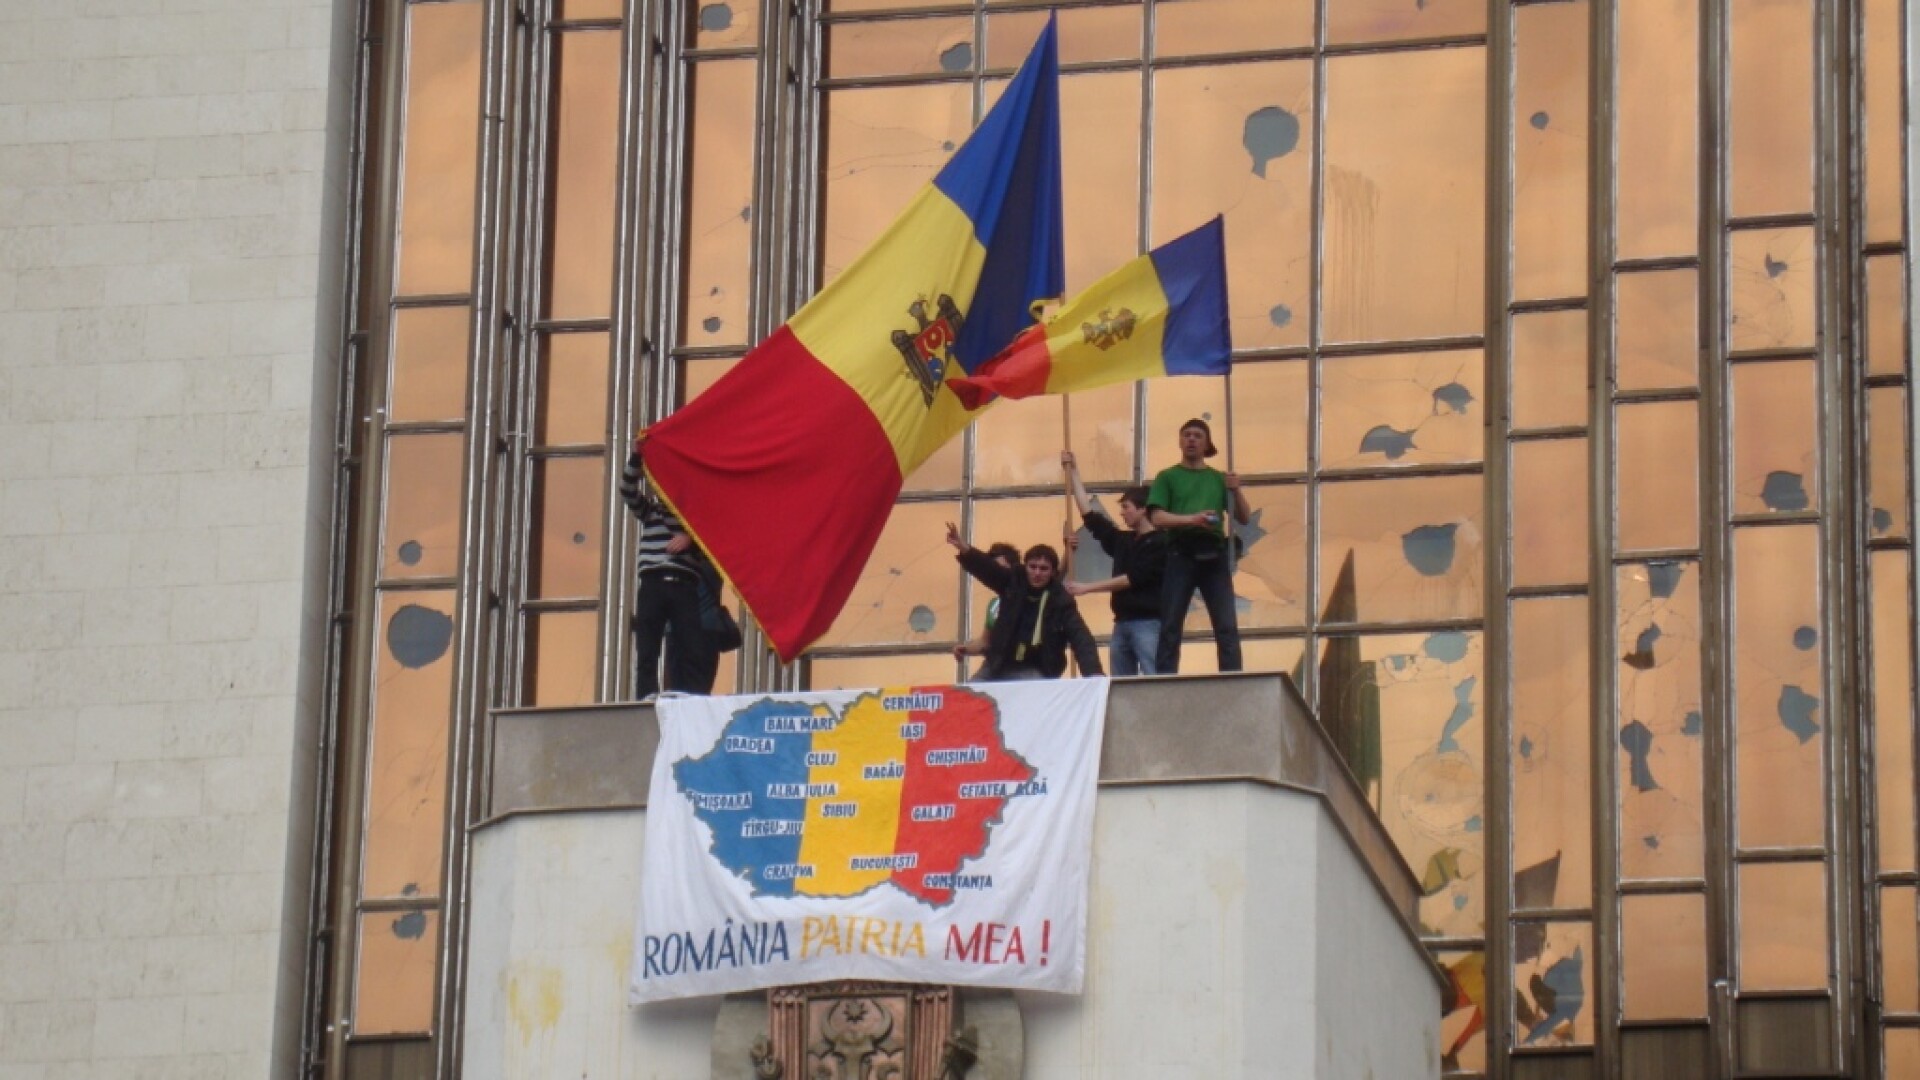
pixel 668 613
pixel 1214 578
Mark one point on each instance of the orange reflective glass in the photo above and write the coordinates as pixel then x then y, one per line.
pixel 585 161
pixel 1781 715
pixel 1550 750
pixel 1550 150
pixel 407 754
pixel 715 285
pixel 1663 967
pixel 441 151
pixel 393 975
pixel 1656 128
pixel 1550 511
pixel 1661 725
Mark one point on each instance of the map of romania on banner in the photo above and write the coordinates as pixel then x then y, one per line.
pixel 817 427
pixel 915 834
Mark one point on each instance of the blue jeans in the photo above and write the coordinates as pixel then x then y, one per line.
pixel 1134 643
pixel 1214 578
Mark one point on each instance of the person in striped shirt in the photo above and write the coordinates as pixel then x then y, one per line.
pixel 672 572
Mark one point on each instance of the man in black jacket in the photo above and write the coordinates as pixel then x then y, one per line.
pixel 1038 620
pixel 1139 557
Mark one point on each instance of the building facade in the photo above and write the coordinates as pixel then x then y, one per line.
pixel 1572 389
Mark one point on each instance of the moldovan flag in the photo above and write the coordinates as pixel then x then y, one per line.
pixel 786 468
pixel 1164 313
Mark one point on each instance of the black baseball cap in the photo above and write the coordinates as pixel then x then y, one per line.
pixel 1196 422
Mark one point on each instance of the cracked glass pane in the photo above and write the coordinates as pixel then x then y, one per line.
pixel 1770 107
pixel 1550 150
pixel 1882 129
pixel 1198 27
pixel 910 588
pixel 1100 165
pixel 393 975
pixel 1770 287
pixel 1405 193
pixel 728 24
pixel 1270 583
pixel 407 768
pixel 1553 984
pixel 1270 413
pixel 1887 462
pixel 442 117
pixel 1256 654
pixel 908 669
pixel 1089 35
pixel 1355 21
pixel 1549 369
pixel 1236 139
pixel 933 46
pixel 1892 644
pixel 1663 957
pixel 562 650
pixel 421 534
pixel 882 145
pixel 1886 315
pixel 1656 334
pixel 718 265
pixel 1550 754
pixel 1776 465
pixel 569 514
pixel 1463 1011
pixel 1415 545
pixel 1549 491
pixel 1405 712
pixel 429 363
pixel 1661 725
pixel 1780 712
pixel 573 390
pixel 1783 926
pixel 1402 409
pixel 1656 111
pixel 1656 474
pixel 585 162
pixel 1899 952
pixel 1172 402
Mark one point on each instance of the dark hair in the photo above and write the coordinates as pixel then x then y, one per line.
pixel 1042 551
pixel 1004 551
pixel 1137 495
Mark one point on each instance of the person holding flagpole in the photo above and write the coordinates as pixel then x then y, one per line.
pixel 1037 622
pixel 1139 557
pixel 1191 500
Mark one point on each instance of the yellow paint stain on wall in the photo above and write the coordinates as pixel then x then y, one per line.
pixel 534 999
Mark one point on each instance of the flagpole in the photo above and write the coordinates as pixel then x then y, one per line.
pixel 1228 521
pixel 1066 527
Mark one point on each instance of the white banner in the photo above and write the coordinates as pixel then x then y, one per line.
pixel 936 834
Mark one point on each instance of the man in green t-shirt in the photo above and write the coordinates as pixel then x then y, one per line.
pixel 1191 500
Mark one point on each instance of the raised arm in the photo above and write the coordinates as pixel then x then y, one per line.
pixel 1079 490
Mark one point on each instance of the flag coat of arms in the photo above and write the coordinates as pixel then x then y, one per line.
pixel 786 469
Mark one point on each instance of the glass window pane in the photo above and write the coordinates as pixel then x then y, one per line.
pixel 1658 447
pixel 719 209
pixel 1887 460
pixel 1783 926
pixel 393 976
pixel 429 364
pixel 697 375
pixel 1780 708
pixel 1172 402
pixel 1416 546
pixel 1663 957
pixel 589 9
pixel 1549 369
pixel 1550 507
pixel 1350 21
pixel 1902 1052
pixel 1552 984
pixel 943 468
pixel 1405 184
pixel 910 588
pixel 1657 333
pixel 1089 35
pixel 1238 139
pixel 1552 757
pixel 441 150
pixel 1657 105
pixel 407 766
pixel 1883 148
pixel 859 672
pixel 899 47
pixel 585 160
pixel 1270 416
pixel 1770 107
pixel 1270 582
pixel 563 652
pixel 1256 654
pixel 1886 315
pixel 1019 442
pixel 1100 168
pixel 1403 409
pixel 573 390
pixel 1463 1012
pixel 727 24
pixel 1776 468
pixel 1892 643
pixel 569 516
pixel 1661 723
pixel 1199 27
pixel 1410 708
pixel 422 529
pixel 1899 953
pixel 1770 278
pixel 1550 150
pixel 882 145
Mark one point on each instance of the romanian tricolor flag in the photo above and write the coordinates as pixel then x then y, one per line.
pixel 786 468
pixel 1164 313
